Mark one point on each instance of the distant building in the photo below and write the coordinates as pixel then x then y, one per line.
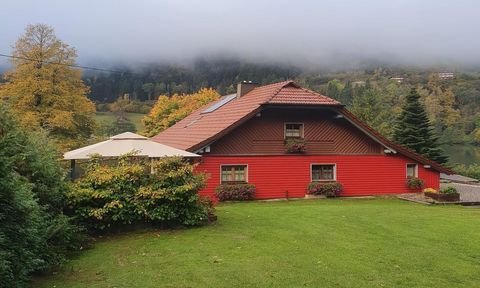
pixel 446 75
pixel 397 79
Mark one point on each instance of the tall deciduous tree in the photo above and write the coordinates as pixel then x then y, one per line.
pixel 440 104
pixel 169 110
pixel 44 91
pixel 414 131
pixel 372 109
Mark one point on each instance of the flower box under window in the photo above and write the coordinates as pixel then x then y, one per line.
pixel 294 145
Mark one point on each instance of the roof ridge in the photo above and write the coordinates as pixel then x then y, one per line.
pixel 313 92
pixel 295 85
pixel 287 82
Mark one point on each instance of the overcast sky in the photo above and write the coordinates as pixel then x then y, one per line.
pixel 316 33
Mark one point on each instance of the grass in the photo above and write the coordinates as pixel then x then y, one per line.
pixel 309 243
pixel 109 117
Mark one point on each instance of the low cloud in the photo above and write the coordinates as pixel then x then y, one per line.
pixel 316 34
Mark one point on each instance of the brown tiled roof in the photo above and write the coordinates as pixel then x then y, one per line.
pixel 293 94
pixel 390 144
pixel 200 129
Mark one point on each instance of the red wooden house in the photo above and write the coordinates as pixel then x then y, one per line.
pixel 245 137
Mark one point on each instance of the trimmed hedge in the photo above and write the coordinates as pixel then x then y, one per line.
pixel 329 189
pixel 235 192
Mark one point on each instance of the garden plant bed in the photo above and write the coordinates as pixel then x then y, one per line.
pixel 444 197
pixel 330 243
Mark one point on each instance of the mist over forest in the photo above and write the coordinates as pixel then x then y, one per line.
pixel 334 35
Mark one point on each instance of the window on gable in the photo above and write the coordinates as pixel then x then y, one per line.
pixel 412 170
pixel 234 173
pixel 323 172
pixel 293 130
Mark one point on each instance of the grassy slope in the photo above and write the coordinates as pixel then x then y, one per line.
pixel 316 243
pixel 136 118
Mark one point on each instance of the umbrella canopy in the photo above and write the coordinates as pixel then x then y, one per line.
pixel 125 143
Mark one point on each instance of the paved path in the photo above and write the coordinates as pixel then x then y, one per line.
pixel 468 192
pixel 458 178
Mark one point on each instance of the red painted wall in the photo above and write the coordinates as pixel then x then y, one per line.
pixel 360 175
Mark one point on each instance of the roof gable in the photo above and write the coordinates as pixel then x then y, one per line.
pixel 295 95
pixel 199 128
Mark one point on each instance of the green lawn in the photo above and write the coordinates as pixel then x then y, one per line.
pixel 109 117
pixel 308 243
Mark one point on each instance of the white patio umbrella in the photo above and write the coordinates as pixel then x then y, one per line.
pixel 122 144
pixel 125 143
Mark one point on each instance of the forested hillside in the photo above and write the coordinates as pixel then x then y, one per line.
pixel 375 95
pixel 147 83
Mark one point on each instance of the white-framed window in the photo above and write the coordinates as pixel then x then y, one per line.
pixel 323 172
pixel 412 170
pixel 293 130
pixel 236 173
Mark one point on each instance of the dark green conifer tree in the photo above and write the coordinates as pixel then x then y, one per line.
pixel 414 130
pixel 347 93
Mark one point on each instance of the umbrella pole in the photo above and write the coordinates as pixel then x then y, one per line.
pixel 72 169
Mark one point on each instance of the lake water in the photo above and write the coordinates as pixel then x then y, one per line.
pixel 462 153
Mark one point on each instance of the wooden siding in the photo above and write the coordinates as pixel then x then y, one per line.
pixel 323 133
pixel 289 175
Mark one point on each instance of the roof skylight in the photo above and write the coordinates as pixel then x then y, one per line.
pixel 224 100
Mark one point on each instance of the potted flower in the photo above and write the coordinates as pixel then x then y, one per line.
pixel 414 183
pixel 295 145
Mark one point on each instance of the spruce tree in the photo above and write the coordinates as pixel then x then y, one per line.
pixel 414 130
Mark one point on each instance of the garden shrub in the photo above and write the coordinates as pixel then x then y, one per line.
pixel 449 190
pixel 235 192
pixel 102 197
pixel 329 189
pixel 172 194
pixel 122 194
pixel 34 234
pixel 118 126
pixel 472 170
pixel 415 183
pixel 138 107
pixel 102 107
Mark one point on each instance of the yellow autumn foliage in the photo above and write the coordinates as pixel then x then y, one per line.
pixel 44 92
pixel 169 110
pixel 440 103
pixel 429 190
